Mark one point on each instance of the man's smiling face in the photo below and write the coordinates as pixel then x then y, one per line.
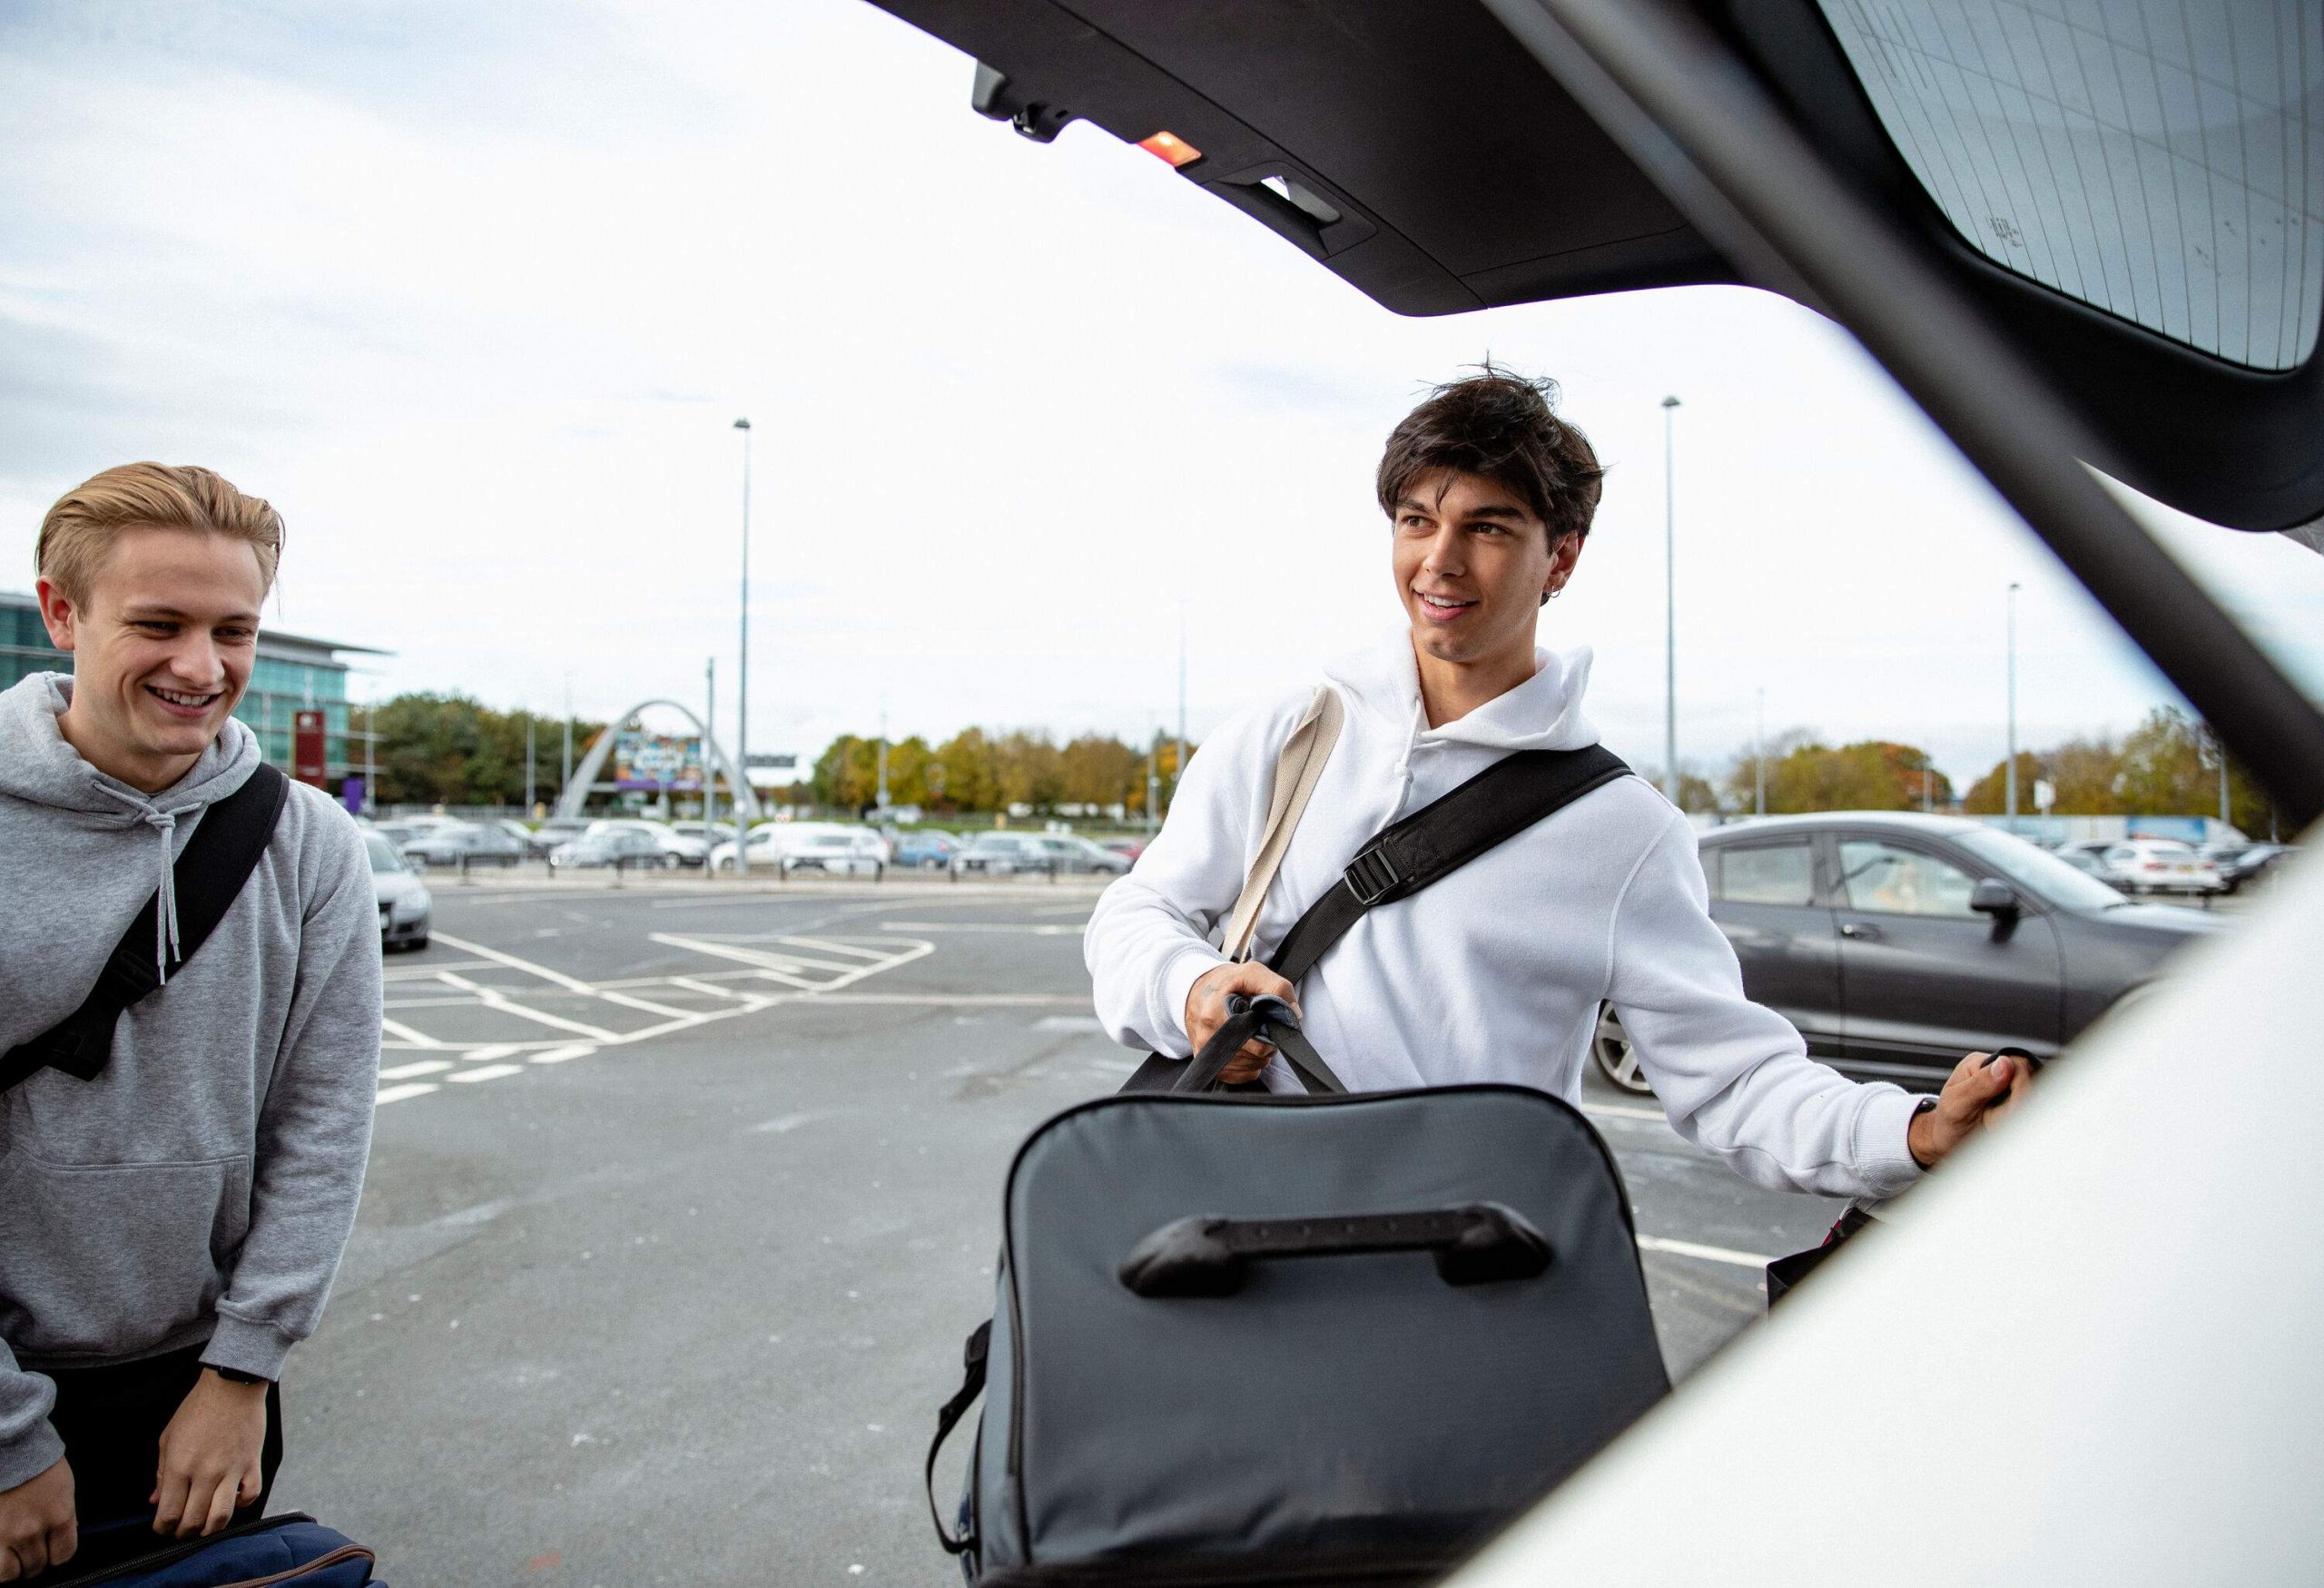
pixel 162 642
pixel 1473 562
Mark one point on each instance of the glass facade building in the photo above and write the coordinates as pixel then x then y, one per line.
pixel 293 673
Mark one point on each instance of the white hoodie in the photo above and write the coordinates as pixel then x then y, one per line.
pixel 1495 972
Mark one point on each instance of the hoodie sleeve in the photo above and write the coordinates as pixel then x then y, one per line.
pixel 314 1130
pixel 28 1446
pixel 1734 1076
pixel 1149 938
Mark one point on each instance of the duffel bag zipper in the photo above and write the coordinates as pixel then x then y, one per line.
pixel 344 1553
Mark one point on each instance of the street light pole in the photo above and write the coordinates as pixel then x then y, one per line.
pixel 742 667
pixel 1670 610
pixel 528 761
pixel 566 781
pixel 2011 776
pixel 1178 772
pixel 881 796
pixel 1759 799
pixel 710 765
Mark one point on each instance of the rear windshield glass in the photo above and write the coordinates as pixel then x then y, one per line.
pixel 382 853
pixel 2157 160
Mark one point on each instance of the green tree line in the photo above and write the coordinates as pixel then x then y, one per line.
pixel 975 771
pixel 451 749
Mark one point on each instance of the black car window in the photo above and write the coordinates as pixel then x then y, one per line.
pixel 2156 162
pixel 1890 880
pixel 1766 873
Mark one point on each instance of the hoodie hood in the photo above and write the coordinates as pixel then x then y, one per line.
pixel 1544 713
pixel 39 768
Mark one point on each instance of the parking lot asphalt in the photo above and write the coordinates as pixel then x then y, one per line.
pixel 683 1197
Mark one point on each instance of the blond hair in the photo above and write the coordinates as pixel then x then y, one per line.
pixel 79 530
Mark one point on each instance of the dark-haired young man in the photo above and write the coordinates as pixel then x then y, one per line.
pixel 1497 971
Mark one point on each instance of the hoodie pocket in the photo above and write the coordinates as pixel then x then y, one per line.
pixel 111 1258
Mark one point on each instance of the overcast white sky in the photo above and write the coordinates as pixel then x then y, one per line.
pixel 473 293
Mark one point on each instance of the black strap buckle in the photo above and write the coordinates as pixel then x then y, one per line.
pixel 1371 875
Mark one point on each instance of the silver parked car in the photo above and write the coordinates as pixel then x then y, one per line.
pixel 403 897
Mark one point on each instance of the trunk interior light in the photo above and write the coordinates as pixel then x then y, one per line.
pixel 1170 147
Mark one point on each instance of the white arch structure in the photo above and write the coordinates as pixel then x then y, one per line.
pixel 584 776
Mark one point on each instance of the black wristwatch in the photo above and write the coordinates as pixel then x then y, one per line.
pixel 236 1375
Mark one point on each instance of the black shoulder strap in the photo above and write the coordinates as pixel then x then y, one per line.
pixel 1435 841
pixel 1442 836
pixel 207 877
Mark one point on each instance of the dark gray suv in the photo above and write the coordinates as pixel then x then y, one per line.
pixel 1898 942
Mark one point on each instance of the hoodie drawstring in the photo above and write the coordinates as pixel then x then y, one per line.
pixel 166 919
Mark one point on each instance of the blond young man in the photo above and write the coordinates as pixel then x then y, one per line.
pixel 169 1227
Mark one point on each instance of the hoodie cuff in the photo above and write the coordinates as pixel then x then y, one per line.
pixel 1179 979
pixel 1885 1160
pixel 29 1455
pixel 248 1348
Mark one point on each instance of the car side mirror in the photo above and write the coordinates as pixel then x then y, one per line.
pixel 1995 898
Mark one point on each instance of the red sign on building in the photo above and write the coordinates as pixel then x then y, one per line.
pixel 307 747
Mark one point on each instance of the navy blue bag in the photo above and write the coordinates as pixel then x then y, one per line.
pixel 289 1550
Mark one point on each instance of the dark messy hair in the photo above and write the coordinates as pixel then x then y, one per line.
pixel 1503 427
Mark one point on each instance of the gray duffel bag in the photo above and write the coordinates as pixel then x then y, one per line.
pixel 1339 1337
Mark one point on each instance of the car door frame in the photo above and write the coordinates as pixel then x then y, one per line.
pixel 1858 1056
pixel 1824 1043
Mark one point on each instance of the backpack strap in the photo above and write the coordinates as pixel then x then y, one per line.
pixel 1435 841
pixel 207 877
pixel 1442 836
pixel 948 1417
pixel 1296 772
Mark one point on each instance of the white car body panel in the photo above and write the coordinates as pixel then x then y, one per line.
pixel 2084 1352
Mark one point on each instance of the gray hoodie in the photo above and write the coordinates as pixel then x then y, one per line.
pixel 202 1187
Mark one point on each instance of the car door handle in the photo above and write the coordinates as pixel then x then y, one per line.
pixel 1860 930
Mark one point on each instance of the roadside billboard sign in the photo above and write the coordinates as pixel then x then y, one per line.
pixel 657 761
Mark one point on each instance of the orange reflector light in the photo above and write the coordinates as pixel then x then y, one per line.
pixel 1171 147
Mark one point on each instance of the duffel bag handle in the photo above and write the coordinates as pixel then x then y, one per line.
pixel 1270 1019
pixel 948 1417
pixel 1476 1244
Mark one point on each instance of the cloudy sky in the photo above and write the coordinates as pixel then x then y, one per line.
pixel 473 294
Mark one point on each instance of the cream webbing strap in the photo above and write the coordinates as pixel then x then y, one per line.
pixel 1297 771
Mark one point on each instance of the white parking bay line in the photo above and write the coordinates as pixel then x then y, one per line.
pixel 570 984
pixel 486 1073
pixel 1029 928
pixel 395 1094
pixel 1623 1111
pixel 1685 1248
pixel 403 1032
pixel 488 1052
pixel 559 1055
pixel 425 1067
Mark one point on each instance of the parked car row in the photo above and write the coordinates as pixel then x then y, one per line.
pixel 784 848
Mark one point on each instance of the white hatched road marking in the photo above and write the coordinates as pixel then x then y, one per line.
pixel 779 971
pixel 1709 1254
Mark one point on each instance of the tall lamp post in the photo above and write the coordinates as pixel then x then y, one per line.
pixel 742 668
pixel 1670 610
pixel 1759 740
pixel 2009 775
pixel 710 767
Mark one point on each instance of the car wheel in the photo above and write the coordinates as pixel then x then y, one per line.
pixel 1610 1046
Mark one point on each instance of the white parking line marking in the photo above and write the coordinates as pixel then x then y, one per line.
pixel 425 1067
pixel 1709 1254
pixel 489 1051
pixel 486 1073
pixel 570 984
pixel 559 1055
pixel 1031 928
pixel 395 1094
pixel 398 1029
pixel 494 999
pixel 708 990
